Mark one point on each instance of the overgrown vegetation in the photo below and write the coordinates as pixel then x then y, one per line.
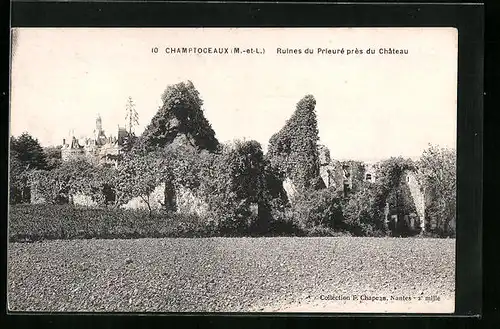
pixel 366 209
pixel 26 154
pixel 238 188
pixel 57 186
pixel 437 171
pixel 48 222
pixel 180 115
pixel 293 150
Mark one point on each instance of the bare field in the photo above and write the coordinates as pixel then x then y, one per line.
pixel 233 275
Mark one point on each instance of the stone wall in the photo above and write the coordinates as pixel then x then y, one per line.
pixel 371 172
pixel 417 196
pixel 81 199
pixel 338 179
pixel 290 189
pixel 189 203
pixel 156 200
pixel 327 175
pixel 185 201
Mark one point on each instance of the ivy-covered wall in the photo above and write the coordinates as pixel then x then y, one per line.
pixel 294 149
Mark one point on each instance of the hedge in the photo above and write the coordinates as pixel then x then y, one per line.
pixel 35 222
pixel 47 222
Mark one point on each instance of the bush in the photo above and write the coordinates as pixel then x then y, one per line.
pixel 364 209
pixel 320 208
pixel 56 186
pixel 282 221
pixel 325 231
pixel 362 212
pixel 237 185
pixel 45 222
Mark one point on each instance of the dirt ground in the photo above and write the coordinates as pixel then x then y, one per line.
pixel 233 275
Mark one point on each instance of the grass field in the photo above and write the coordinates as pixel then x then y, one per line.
pixel 228 274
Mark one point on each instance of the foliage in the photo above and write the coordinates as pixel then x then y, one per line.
pixel 45 222
pixel 389 188
pixel 364 210
pixel 390 171
pixel 18 181
pixel 358 174
pixel 363 213
pixel 320 208
pixel 57 186
pixel 139 175
pixel 437 171
pixel 181 114
pixel 294 148
pixel 235 183
pixel 29 151
pixel 53 157
pixel 128 142
pixel 26 154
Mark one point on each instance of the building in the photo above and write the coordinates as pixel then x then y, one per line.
pixel 99 149
pixel 341 175
pixel 371 172
pixel 405 204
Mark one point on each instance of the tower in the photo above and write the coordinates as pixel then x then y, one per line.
pixel 98 124
pixel 99 135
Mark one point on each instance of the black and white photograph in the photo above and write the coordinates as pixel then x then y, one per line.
pixel 256 170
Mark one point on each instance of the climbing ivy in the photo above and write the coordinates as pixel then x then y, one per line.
pixel 180 115
pixel 294 148
pixel 364 209
pixel 56 186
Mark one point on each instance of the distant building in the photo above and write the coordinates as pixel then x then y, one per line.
pixel 99 149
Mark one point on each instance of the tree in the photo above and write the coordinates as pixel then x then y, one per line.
pixel 57 186
pixel 362 212
pixel 318 209
pixel 140 175
pixel 128 143
pixel 26 155
pixel 131 116
pixel 250 182
pixel 390 188
pixel 180 117
pixel 233 183
pixel 437 170
pixel 53 157
pixel 29 151
pixel 294 148
pixel 18 186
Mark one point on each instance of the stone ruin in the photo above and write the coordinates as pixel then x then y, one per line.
pixel 181 200
pixel 343 175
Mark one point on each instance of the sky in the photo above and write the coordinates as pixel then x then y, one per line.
pixel 368 106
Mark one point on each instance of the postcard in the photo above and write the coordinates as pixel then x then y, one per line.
pixel 189 170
